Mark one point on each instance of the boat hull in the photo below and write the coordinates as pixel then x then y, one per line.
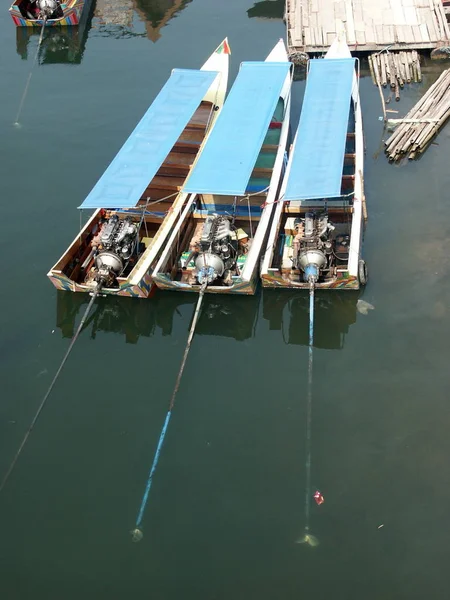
pixel 347 277
pixel 240 286
pixel 245 283
pixel 138 283
pixel 276 280
pixel 72 15
pixel 141 290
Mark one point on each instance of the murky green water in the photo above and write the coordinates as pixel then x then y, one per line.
pixel 228 498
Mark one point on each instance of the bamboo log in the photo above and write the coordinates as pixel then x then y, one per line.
pixel 376 70
pixel 413 70
pixel 419 71
pixel 422 122
pixel 372 72
pixel 383 71
pixel 429 139
pixel 410 65
pixel 407 71
pixel 387 66
pixel 401 81
pixel 402 66
pixel 390 70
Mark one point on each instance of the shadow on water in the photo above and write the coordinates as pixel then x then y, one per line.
pixel 288 312
pixel 267 9
pixel 116 19
pixel 224 316
pixel 59 45
pixel 157 13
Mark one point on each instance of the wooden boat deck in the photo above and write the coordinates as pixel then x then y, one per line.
pixel 171 175
pixel 370 25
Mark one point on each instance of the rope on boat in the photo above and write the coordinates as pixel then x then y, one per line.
pixel 25 91
pixel 58 372
pixel 136 533
pixel 307 537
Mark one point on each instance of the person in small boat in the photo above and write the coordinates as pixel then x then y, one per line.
pixel 32 10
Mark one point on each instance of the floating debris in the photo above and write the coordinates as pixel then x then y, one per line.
pixel 363 307
pixel 136 535
pixel 309 539
pixel 318 497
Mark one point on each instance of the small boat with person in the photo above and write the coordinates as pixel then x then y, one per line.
pixel 316 232
pixel 139 198
pixel 218 238
pixel 48 13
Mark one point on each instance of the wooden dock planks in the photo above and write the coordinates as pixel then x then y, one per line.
pixel 370 25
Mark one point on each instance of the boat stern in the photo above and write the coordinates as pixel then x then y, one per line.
pixel 71 15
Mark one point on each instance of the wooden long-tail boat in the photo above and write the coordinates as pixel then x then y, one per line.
pixel 139 197
pixel 316 232
pixel 48 13
pixel 218 239
pixel 58 44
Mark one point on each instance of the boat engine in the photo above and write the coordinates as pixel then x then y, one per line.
pixel 313 248
pixel 217 250
pixel 48 9
pixel 113 246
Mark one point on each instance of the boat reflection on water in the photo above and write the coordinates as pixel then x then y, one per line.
pixel 288 312
pixel 117 315
pixel 267 9
pixel 157 13
pixel 115 12
pixel 225 316
pixel 116 17
pixel 59 44
pixel 229 316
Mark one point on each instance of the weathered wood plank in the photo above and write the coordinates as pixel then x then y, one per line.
pixel 444 19
pixel 350 26
pixel 361 38
pixel 424 32
pixel 410 15
pixel 307 33
pixel 327 16
pixel 397 11
pixel 370 35
pixel 339 10
pixel 374 23
pixel 298 30
pixel 408 34
pixel 330 37
pixel 416 33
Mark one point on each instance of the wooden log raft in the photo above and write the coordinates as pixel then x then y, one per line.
pixel 415 132
pixel 395 69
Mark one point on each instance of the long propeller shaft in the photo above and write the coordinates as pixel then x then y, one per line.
pixel 136 533
pixel 42 404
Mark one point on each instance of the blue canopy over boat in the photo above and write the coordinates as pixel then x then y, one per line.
pixel 230 153
pixel 318 156
pixel 135 165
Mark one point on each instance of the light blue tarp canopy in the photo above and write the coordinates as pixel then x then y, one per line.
pixel 135 165
pixel 318 155
pixel 230 153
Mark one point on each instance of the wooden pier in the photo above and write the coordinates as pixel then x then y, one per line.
pixel 370 25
